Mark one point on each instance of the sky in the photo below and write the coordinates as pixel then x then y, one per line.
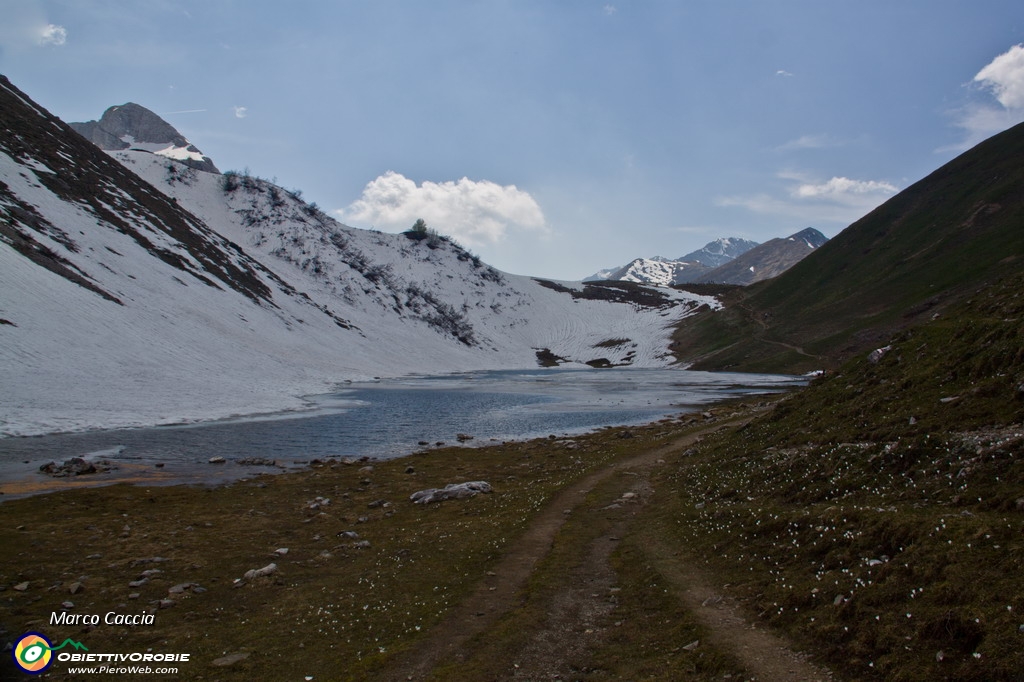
pixel 553 138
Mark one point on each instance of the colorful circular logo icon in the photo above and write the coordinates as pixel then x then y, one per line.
pixel 32 653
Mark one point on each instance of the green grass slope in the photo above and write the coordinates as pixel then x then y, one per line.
pixel 877 516
pixel 920 252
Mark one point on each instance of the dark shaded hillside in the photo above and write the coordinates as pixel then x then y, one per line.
pixel 919 253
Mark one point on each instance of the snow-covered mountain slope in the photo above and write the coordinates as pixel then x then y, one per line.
pixel 719 252
pixel 137 290
pixel 665 272
pixel 658 271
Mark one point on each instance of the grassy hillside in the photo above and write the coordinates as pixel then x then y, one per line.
pixel 877 517
pixel 920 252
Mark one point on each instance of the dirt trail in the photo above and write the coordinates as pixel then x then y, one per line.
pixel 765 656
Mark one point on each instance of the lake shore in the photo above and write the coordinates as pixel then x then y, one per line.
pixel 358 573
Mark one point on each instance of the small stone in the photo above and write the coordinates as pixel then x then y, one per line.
pixel 269 569
pixel 68 605
pixel 75 588
pixel 138 583
pixel 217 460
pixel 230 659
pixel 362 544
pixel 692 645
pixel 410 470
pixel 133 595
pixel 281 551
pixel 166 603
pixel 939 655
pixel 21 587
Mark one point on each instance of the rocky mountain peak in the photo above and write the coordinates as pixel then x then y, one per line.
pixel 132 126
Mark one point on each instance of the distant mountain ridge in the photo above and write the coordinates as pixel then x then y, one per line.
pixel 767 260
pixel 728 260
pixel 132 126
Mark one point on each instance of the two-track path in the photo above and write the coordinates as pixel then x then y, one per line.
pixel 763 655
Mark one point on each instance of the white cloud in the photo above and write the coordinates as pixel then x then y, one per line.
pixel 1003 78
pixel 845 191
pixel 838 200
pixel 476 213
pixel 609 10
pixel 51 34
pixel 241 112
pixel 783 72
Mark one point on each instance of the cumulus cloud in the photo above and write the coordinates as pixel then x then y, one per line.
pixel 1004 76
pixel 476 213
pixel 837 200
pixel 51 34
pixel 844 190
pixel 1003 79
pixel 241 112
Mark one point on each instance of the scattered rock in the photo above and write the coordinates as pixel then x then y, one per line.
pixel 165 603
pixel 410 470
pixel 230 659
pixel 318 502
pixel 949 399
pixel 281 551
pixel 366 469
pixel 876 355
pixel 75 587
pixel 692 645
pixel 260 462
pixel 180 588
pixel 362 544
pixel 67 605
pixel 133 595
pixel 76 466
pixel 463 437
pixel 138 583
pixel 269 569
pixel 452 491
pixel 377 503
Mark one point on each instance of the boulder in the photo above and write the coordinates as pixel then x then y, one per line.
pixel 452 491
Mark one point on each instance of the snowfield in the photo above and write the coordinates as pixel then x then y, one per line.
pixel 199 296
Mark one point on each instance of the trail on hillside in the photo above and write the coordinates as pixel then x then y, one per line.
pixel 566 633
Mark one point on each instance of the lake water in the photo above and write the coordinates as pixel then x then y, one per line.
pixel 384 419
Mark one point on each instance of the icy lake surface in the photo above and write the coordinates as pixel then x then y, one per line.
pixel 389 418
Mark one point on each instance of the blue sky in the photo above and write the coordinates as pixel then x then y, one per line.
pixel 552 138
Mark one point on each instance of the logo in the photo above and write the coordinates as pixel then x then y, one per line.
pixel 33 652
